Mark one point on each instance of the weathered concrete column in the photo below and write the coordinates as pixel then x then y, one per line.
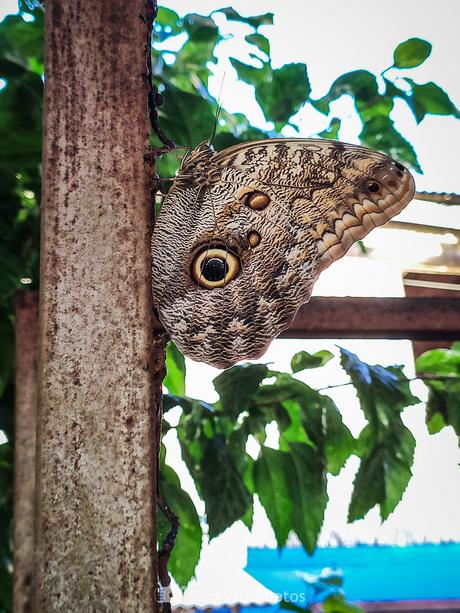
pixel 99 371
pixel 24 448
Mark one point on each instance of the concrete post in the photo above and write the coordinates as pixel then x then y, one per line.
pixel 100 369
pixel 24 448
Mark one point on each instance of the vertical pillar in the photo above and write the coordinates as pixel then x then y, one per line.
pixel 99 368
pixel 24 448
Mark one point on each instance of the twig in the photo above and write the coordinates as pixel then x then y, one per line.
pixel 154 99
pixel 424 377
pixel 166 549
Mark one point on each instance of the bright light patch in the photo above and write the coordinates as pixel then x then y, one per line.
pixel 449 239
pixel 7 7
pixel 169 58
pixel 407 246
pixel 27 17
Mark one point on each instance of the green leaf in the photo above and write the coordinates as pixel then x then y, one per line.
pixel 358 371
pixel 255 21
pixel 392 90
pixel 200 28
pixel 379 389
pixel 338 604
pixel 295 431
pixel 435 421
pixel 287 388
pixel 339 442
pixel 283 93
pixel 379 133
pixel 221 486
pixel 260 41
pixel 411 53
pixel 238 385
pixel 439 362
pixel 369 486
pixel 167 17
pixel 361 84
pixel 385 446
pixel 270 482
pixel 175 370
pixel 306 481
pixel 397 466
pixel 250 74
pixel 333 130
pixel 265 19
pixel 322 105
pixel 429 98
pixel 187 118
pixel 384 473
pixel 379 105
pixel 186 553
pixel 167 23
pixel 248 517
pixel 302 360
pixel 443 406
pixel 22 41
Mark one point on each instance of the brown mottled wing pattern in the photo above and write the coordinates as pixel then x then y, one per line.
pixel 282 210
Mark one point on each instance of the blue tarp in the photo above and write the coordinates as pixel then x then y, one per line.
pixel 371 572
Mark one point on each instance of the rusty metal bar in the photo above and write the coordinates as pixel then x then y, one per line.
pixel 421 318
pixel 24 448
pixel 100 370
pixel 441 198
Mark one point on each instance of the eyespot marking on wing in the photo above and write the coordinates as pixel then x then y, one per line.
pixel 257 200
pixel 254 238
pixel 214 266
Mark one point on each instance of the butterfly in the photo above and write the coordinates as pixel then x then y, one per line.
pixel 244 233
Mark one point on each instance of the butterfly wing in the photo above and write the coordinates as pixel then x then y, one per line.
pixel 244 234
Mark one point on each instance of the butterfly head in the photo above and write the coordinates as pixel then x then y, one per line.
pixel 196 166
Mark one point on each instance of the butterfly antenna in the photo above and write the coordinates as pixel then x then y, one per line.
pixel 218 111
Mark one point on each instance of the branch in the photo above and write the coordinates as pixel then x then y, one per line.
pixel 422 377
pixel 154 98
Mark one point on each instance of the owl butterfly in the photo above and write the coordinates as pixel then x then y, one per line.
pixel 244 233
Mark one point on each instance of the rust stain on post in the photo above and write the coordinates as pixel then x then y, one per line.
pixel 99 370
pixel 24 448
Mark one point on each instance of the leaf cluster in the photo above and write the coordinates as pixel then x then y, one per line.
pixel 281 92
pixel 225 447
pixel 440 369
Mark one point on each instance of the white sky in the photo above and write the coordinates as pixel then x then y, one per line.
pixel 333 38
